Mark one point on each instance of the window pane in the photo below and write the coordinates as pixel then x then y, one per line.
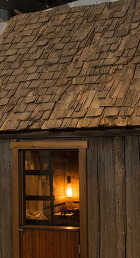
pixel 38 210
pixel 37 185
pixel 66 187
pixel 67 217
pixel 37 160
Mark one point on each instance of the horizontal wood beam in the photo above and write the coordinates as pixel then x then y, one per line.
pixel 40 227
pixel 78 135
pixel 49 145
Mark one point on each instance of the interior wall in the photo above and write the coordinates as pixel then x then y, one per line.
pixel 65 163
pixel 113 169
pixel 58 179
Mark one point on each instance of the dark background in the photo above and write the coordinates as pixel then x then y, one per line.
pixel 30 5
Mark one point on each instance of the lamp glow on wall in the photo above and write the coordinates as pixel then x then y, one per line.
pixel 69 188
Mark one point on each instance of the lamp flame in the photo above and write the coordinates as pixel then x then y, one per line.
pixel 69 188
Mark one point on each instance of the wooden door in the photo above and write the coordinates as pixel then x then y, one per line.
pixel 42 243
pixel 55 232
pixel 43 179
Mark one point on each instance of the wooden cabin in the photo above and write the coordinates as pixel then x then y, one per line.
pixel 70 133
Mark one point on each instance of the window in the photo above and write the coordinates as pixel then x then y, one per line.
pixel 50 187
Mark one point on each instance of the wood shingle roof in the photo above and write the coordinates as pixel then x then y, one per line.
pixel 71 68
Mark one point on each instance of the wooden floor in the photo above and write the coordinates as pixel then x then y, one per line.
pixel 49 244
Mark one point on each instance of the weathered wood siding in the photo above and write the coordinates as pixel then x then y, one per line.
pixel 113 175
pixel 113 171
pixel 5 200
pixel 132 162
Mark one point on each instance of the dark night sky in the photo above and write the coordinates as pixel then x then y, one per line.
pixel 22 5
pixel 30 5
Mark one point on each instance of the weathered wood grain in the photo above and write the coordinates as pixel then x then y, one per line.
pixel 132 163
pixel 106 175
pixel 5 201
pixel 93 199
pixel 113 185
pixel 70 134
pixel 83 202
pixel 15 203
pixel 106 197
pixel 120 195
pixel 49 145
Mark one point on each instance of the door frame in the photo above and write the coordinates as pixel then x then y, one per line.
pixel 81 146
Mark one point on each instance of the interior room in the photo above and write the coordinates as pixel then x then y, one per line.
pixel 51 187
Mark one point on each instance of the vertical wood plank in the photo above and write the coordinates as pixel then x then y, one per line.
pixel 69 244
pixel 15 187
pixel 21 245
pixel 27 243
pixel 52 246
pixel 106 175
pixel 57 246
pixel 43 241
pixel 48 243
pixel 41 244
pixel 64 243
pixel 6 249
pixel 76 244
pixel 93 199
pixel 37 242
pixel 33 237
pixel 83 202
pixel 132 163
pixel 120 195
pixel 106 197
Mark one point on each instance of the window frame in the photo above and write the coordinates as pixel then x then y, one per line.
pixel 81 146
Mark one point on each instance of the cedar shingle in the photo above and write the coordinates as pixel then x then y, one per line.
pixel 71 68
pixel 11 52
pixel 29 99
pixel 4 101
pixel 111 112
pixel 94 112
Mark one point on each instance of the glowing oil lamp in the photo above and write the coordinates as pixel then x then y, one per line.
pixel 69 188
